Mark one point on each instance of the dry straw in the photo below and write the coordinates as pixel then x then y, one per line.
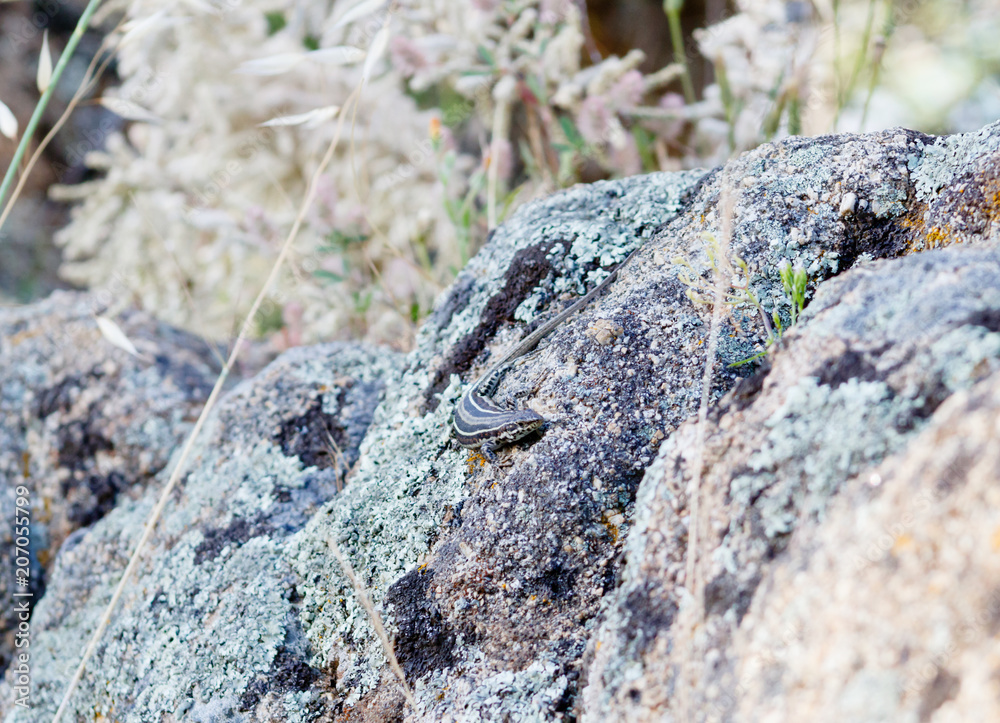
pixel 180 467
pixel 52 82
pixel 722 273
pixel 366 602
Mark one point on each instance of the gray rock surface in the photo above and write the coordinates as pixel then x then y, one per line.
pixel 552 585
pixel 215 597
pixel 82 423
pixel 812 531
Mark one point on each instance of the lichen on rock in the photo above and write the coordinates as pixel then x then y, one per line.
pixel 554 585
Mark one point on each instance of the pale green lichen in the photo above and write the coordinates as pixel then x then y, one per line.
pixel 952 156
pixel 972 352
pixel 520 697
pixel 405 481
pixel 888 201
pixel 818 438
pixel 183 641
pixel 607 233
pixel 383 522
pixel 809 156
pixel 523 696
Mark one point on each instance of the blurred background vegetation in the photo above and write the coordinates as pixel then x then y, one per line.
pixel 177 176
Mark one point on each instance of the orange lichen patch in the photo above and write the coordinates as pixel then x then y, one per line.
pixel 993 193
pixel 476 459
pixel 612 523
pixel 937 238
pixel 24 336
pixel 958 214
pixel 922 237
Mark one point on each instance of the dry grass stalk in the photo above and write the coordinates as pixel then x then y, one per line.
pixel 90 77
pixel 180 468
pixel 366 602
pixel 722 274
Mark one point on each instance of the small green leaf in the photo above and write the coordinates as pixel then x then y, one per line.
pixel 275 21
pixel 486 56
pixel 362 301
pixel 328 276
pixel 270 320
pixel 572 134
pixel 794 116
pixel 748 360
pixel 536 89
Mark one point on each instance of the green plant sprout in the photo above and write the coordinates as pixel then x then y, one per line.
pixel 463 212
pixel 794 283
pixel 43 101
pixel 700 290
pixel 467 212
pixel 867 51
pixel 673 8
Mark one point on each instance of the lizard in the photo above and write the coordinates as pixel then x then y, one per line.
pixel 479 422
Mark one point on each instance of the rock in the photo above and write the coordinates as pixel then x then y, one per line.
pixel 217 575
pixel 823 482
pixel 555 584
pixel 84 424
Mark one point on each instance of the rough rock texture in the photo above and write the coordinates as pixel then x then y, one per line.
pixel 83 423
pixel 805 539
pixel 215 598
pixel 553 585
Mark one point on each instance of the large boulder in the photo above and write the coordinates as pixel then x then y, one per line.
pixel 591 572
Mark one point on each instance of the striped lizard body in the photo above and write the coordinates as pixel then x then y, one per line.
pixel 479 422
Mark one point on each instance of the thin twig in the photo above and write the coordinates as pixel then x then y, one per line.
pixel 588 34
pixel 179 469
pixel 366 603
pixel 339 458
pixel 372 267
pixel 90 77
pixel 673 11
pixel 500 113
pixel 692 581
pixel 726 208
pixel 376 274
